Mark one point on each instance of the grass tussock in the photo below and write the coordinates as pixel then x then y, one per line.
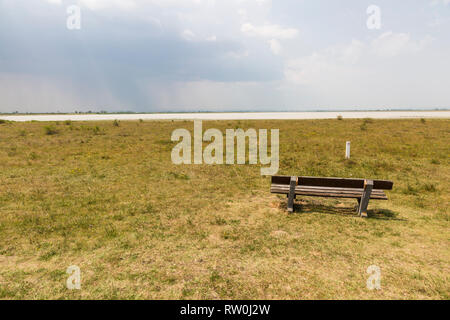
pixel 50 130
pixel 107 198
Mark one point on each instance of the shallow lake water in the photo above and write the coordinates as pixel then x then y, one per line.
pixel 234 116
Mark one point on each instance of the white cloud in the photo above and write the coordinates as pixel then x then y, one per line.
pixel 188 35
pixel 177 3
pixel 391 44
pixel 55 1
pixel 343 60
pixel 307 70
pixel 347 54
pixel 315 68
pixel 242 13
pixel 102 4
pixel 269 31
pixel 437 2
pixel 132 4
pixel 275 46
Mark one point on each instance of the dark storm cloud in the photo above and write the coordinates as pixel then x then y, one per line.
pixel 120 50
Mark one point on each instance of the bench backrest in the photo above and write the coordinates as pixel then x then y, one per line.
pixel 333 182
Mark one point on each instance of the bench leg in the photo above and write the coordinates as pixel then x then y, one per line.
pixel 291 195
pixel 364 202
pixel 359 204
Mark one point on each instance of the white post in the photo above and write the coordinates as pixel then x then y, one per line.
pixel 347 150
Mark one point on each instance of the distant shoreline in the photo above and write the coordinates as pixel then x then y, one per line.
pixel 196 112
pixel 311 115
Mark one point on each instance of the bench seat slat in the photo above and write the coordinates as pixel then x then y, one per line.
pixel 333 195
pixel 328 192
pixel 325 188
pixel 335 192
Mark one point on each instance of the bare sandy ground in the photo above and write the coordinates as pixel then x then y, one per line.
pixel 235 116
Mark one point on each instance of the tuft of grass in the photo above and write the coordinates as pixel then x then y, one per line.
pixel 148 209
pixel 50 130
pixel 116 123
pixel 179 176
pixel 96 130
pixel 220 221
pixel 33 155
pixel 339 117
pixel 48 255
pixel 435 161
pixel 429 187
pixel 215 276
pixel 410 190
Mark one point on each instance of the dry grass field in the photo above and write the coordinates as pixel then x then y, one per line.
pixel 106 197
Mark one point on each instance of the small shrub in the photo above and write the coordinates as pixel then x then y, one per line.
pixel 67 122
pixel 339 117
pixel 3 121
pixel 435 161
pixel 111 232
pixel 48 255
pixel 423 120
pixel 33 156
pixel 220 221
pixel 116 123
pixel 442 216
pixel 148 209
pixel 215 276
pixel 410 190
pixel 50 130
pixel 429 187
pixel 179 176
pixel 164 142
pixel 349 163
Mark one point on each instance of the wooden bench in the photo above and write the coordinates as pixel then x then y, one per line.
pixel 361 189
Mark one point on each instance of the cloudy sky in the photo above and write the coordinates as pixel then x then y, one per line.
pixel 223 55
